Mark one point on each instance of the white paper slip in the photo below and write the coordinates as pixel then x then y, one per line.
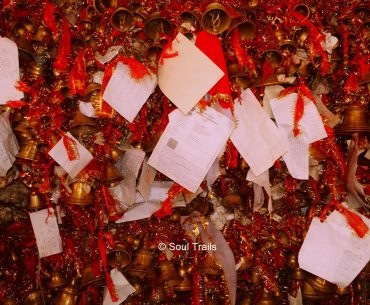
pixel 189 145
pixel 270 93
pixel 256 137
pixel 187 77
pixel 333 251
pixel 146 179
pixel 109 55
pixel 8 144
pixel 260 181
pixel 140 211
pixel 9 67
pixel 46 231
pixel 122 287
pixel 87 109
pixel 72 167
pixel 127 95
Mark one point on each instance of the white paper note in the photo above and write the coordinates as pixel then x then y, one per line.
pixel 109 55
pixel 256 137
pixel 333 251
pixel 87 109
pixel 72 167
pixel 331 119
pixel 140 211
pixel 189 145
pixel 8 144
pixel 271 92
pixel 311 127
pixel 46 232
pixel 187 77
pixel 127 95
pixel 9 71
pixel 146 179
pixel 262 181
pixel 122 287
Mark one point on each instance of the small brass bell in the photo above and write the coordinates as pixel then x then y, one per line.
pixel 8 178
pixel 91 11
pixel 92 95
pixel 142 267
pixel 112 175
pixel 209 266
pixel 300 36
pixel 122 19
pixel 28 153
pixel 36 202
pixel 342 290
pixel 255 276
pixel 215 19
pixel 267 299
pixel 292 260
pixel 238 76
pixel 168 274
pixel 34 298
pixel 311 294
pixel 189 21
pixel 119 257
pixel 81 194
pixel 116 153
pixel 90 276
pixel 355 120
pixel 157 25
pixel 68 295
pixel 154 52
pixel 186 283
pixel 247 29
pixel 321 284
pixel 9 301
pixel 81 120
pixel 274 57
pixel 56 279
pixel 303 9
pixel 245 262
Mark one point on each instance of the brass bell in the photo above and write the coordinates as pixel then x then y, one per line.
pixel 102 5
pixel 157 25
pixel 81 120
pixel 267 299
pixel 34 298
pixel 81 194
pixel 247 301
pixel 36 202
pixel 42 35
pixel 300 36
pixel 215 19
pixel 321 284
pixel 209 266
pixel 311 294
pixel 68 295
pixel 168 274
pixel 116 153
pixel 355 120
pixel 287 45
pixel 186 283
pixel 119 257
pixel 9 301
pixel 91 11
pixel 246 262
pixel 255 276
pixel 238 76
pixel 292 260
pixel 28 153
pixel 56 279
pixel 8 178
pixel 342 290
pixel 303 9
pixel 122 19
pixel 247 29
pixel 92 95
pixel 90 276
pixel 140 14
pixel 274 57
pixel 142 267
pixel 189 22
pixel 112 175
pixel 154 52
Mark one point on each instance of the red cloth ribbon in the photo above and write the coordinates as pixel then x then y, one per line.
pixel 49 18
pixel 166 208
pixel 71 148
pixel 77 77
pixel 241 54
pixel 64 49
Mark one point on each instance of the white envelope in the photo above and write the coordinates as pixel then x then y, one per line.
pixel 72 167
pixel 187 77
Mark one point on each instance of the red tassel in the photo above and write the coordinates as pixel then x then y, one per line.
pixel 64 49
pixel 49 18
pixel 71 148
pixel 109 204
pixel 298 114
pixel 241 54
pixel 137 69
pixel 231 155
pixel 77 77
pixel 267 70
pixel 166 208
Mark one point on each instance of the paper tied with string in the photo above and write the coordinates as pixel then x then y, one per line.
pixel 311 130
pixel 8 144
pixel 122 287
pixel 71 155
pixel 9 71
pixel 188 76
pixel 332 251
pixel 45 227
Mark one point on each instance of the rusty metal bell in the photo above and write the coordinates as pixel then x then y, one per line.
pixel 68 295
pixel 215 19
pixel 168 274
pixel 81 194
pixel 122 19
pixel 356 119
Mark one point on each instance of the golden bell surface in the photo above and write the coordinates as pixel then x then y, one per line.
pixel 28 153
pixel 112 175
pixel 209 266
pixel 142 265
pixel 267 299
pixel 89 276
pixel 355 120
pixel 36 202
pixel 81 120
pixel 312 294
pixel 186 283
pixel 320 284
pixel 247 29
pixel 274 57
pixel 43 35
pixel 188 21
pixel 303 9
pixel 157 25
pixel 300 36
pixel 168 274
pixel 119 257
pixel 154 51
pixel 342 290
pixel 245 262
pixel 215 19
pixel 122 19
pixel 34 298
pixel 116 153
pixel 81 194
pixel 292 260
pixel 6 180
pixel 298 274
pixel 68 295
pixel 10 302
pixel 56 279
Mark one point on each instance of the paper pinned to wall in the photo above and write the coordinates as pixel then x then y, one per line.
pixel 127 95
pixel 46 232
pixel 9 67
pixel 189 145
pixel 256 137
pixel 332 251
pixel 187 77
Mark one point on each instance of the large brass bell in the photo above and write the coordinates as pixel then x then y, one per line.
pixel 156 26
pixel 68 295
pixel 90 276
pixel 186 283
pixel 112 175
pixel 215 19
pixel 189 22
pixel 34 298
pixel 119 257
pixel 246 29
pixel 142 267
pixel 56 279
pixel 168 274
pixel 355 120
pixel 122 19
pixel 267 299
pixel 28 153
pixel 320 284
pixel 312 294
pixel 81 194
pixel 37 202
